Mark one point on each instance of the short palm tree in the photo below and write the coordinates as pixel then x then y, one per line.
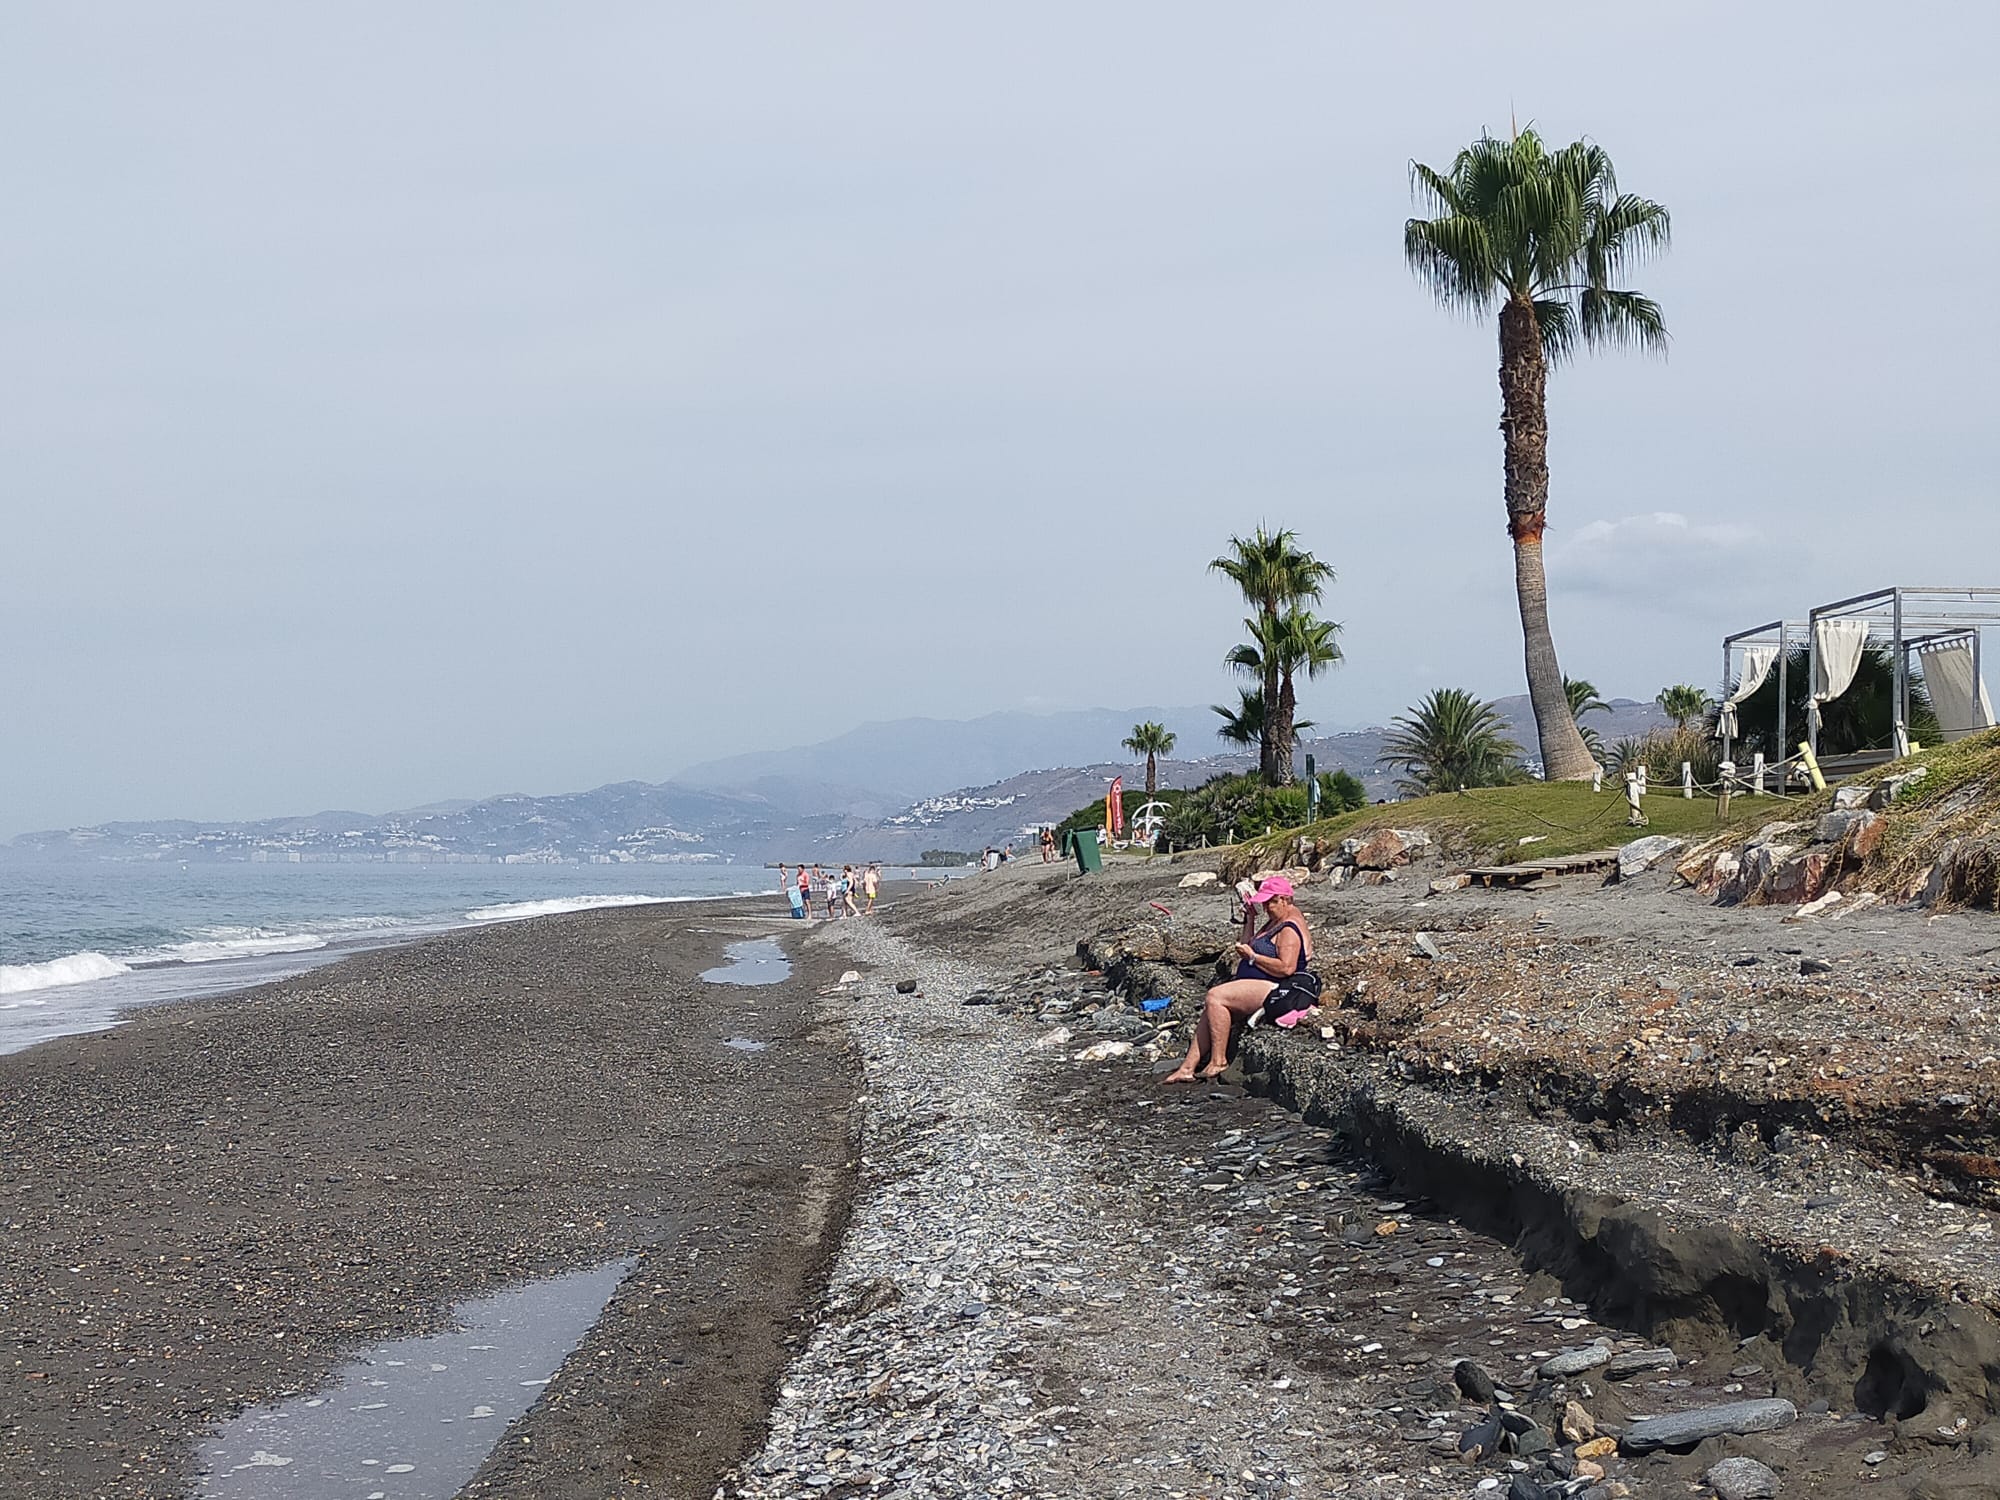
pixel 1683 703
pixel 1285 646
pixel 1274 574
pixel 1583 699
pixel 1448 741
pixel 1540 236
pixel 1152 741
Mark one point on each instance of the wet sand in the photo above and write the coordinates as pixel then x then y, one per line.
pixel 221 1201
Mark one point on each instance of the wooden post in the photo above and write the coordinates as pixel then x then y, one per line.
pixel 1811 763
pixel 1687 781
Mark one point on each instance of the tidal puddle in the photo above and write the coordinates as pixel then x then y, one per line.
pixel 413 1419
pixel 745 1044
pixel 758 961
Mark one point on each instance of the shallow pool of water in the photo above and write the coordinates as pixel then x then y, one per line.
pixel 757 961
pixel 412 1420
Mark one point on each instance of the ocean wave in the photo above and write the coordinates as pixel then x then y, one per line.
pixel 509 911
pixel 74 968
pixel 224 943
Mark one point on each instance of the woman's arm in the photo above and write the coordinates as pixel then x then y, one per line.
pixel 1287 943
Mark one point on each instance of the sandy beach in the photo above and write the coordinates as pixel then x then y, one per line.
pixel 220 1201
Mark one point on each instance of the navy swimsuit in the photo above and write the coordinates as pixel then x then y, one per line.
pixel 1267 944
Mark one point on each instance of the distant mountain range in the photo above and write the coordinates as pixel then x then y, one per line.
pixel 885 791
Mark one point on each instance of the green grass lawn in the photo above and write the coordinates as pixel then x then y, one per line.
pixel 1563 817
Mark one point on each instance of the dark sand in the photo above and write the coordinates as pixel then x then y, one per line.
pixel 220 1201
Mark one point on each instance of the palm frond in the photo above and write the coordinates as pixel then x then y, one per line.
pixel 1623 319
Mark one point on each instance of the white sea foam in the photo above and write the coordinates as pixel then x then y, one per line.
pixel 223 943
pixel 509 911
pixel 75 968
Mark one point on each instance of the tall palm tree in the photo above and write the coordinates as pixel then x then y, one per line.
pixel 1540 235
pixel 1152 741
pixel 1448 741
pixel 1683 703
pixel 1583 699
pixel 1283 647
pixel 1274 574
pixel 1244 724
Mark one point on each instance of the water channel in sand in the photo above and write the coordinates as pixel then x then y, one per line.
pixel 757 961
pixel 412 1420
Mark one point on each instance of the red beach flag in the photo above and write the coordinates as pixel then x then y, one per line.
pixel 1114 806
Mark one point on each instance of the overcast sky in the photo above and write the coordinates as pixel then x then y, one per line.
pixel 409 402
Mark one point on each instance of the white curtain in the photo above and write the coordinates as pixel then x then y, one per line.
pixel 1957 697
pixel 1757 662
pixel 1837 646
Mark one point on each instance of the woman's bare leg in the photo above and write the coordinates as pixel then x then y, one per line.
pixel 1225 1003
pixel 1197 1052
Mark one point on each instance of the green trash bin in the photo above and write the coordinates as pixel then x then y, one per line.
pixel 1082 842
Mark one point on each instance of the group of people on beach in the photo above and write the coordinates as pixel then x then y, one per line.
pixel 818 889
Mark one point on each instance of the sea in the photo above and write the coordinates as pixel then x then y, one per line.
pixel 82 944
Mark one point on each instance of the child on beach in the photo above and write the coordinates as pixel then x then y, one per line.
pixel 871 882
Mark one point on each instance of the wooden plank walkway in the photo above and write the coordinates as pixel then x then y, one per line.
pixel 1529 871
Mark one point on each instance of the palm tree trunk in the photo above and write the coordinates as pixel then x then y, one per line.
pixel 1151 775
pixel 1524 425
pixel 1267 749
pixel 1282 733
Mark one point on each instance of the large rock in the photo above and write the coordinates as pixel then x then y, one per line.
pixel 1576 1361
pixel 1743 1479
pixel 1798 880
pixel 1895 786
pixel 1852 796
pixel 1864 835
pixel 1709 872
pixel 1641 855
pixel 1833 826
pixel 1194 880
pixel 1684 1429
pixel 1384 848
pixel 1639 1361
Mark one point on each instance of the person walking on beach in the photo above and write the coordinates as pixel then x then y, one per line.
pixel 1048 846
pixel 847 891
pixel 793 894
pixel 871 883
pixel 805 892
pixel 1278 949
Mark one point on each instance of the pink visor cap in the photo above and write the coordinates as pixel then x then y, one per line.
pixel 1271 890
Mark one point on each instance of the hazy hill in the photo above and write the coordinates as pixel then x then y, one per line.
pixel 906 759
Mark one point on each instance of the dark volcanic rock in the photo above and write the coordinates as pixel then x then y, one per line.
pixel 1685 1429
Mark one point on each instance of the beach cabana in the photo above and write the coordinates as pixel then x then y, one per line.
pixel 1935 630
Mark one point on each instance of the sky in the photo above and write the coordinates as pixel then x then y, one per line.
pixel 406 403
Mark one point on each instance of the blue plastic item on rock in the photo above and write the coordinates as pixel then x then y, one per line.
pixel 1159 1002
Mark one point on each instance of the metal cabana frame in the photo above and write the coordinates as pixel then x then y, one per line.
pixel 1935 614
pixel 1776 633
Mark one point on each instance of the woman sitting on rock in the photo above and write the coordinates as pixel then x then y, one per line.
pixel 1280 948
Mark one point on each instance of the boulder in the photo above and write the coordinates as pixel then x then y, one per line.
pixel 1196 879
pixel 1576 1361
pixel 1864 835
pixel 1383 848
pixel 1743 1479
pixel 1683 1429
pixel 1638 1362
pixel 1446 883
pixel 1709 871
pixel 1895 786
pixel 1797 880
pixel 1641 855
pixel 1833 826
pixel 1852 796
pixel 1051 1040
